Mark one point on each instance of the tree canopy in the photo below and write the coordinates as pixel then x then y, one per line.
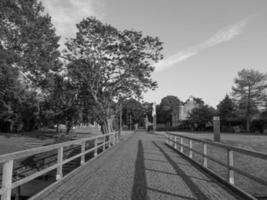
pixel 107 65
pixel 249 92
pixel 29 57
pixel 201 117
pixel 134 110
pixel 226 108
pixel 166 107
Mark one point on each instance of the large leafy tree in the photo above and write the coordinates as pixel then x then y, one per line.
pixel 107 64
pixel 167 105
pixel 249 92
pixel 27 33
pixel 201 117
pixel 29 58
pixel 132 109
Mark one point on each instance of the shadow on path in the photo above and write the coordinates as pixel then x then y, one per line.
pixel 139 187
pixel 191 185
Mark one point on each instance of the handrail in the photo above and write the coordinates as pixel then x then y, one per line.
pixel 29 152
pixel 8 160
pixel 257 154
pixel 172 141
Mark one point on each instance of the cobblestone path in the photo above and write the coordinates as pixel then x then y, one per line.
pixel 139 168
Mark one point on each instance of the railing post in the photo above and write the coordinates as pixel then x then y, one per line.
pixel 104 143
pixel 59 162
pixel 82 151
pixel 190 149
pixel 109 140
pixel 205 151
pixel 175 140
pixel 167 138
pixel 230 163
pixel 95 146
pixel 7 180
pixel 181 146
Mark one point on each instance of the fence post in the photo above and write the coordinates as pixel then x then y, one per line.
pixel 95 146
pixel 205 151
pixel 82 151
pixel 104 143
pixel 230 163
pixel 109 140
pixel 167 138
pixel 181 146
pixel 190 149
pixel 7 180
pixel 175 140
pixel 59 162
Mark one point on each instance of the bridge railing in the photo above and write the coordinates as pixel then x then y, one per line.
pixel 7 160
pixel 176 140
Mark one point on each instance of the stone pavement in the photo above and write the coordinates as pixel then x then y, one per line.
pixel 140 168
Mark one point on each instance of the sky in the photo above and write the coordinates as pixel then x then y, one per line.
pixel 205 42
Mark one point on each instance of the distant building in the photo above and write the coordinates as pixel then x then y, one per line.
pixel 187 107
pixel 181 113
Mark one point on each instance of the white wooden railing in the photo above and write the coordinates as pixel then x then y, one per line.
pixel 7 160
pixel 177 140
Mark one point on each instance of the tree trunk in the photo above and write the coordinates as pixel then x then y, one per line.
pixel 105 127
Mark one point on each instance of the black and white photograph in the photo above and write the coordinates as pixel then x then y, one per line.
pixel 133 99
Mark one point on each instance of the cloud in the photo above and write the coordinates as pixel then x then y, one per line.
pixel 67 13
pixel 224 35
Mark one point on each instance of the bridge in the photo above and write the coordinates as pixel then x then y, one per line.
pixel 136 167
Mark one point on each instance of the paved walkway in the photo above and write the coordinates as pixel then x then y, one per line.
pixel 139 168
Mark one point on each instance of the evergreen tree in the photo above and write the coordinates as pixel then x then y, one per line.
pixel 226 109
pixel 249 92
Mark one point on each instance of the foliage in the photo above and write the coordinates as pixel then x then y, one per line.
pixel 133 108
pixel 62 105
pixel 201 117
pixel 249 92
pixel 167 105
pixel 28 33
pixel 28 58
pixel 226 109
pixel 107 64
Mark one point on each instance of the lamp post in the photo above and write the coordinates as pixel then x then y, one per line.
pixel 120 120
pixel 154 117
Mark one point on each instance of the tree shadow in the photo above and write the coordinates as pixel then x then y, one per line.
pixel 187 180
pixel 140 187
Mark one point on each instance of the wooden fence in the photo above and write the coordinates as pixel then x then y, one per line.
pixel 7 160
pixel 178 140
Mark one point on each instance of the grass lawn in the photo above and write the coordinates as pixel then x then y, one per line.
pixel 10 142
pixel 253 166
pixel 16 142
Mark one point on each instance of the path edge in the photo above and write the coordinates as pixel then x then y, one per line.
pixel 35 197
pixel 233 188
